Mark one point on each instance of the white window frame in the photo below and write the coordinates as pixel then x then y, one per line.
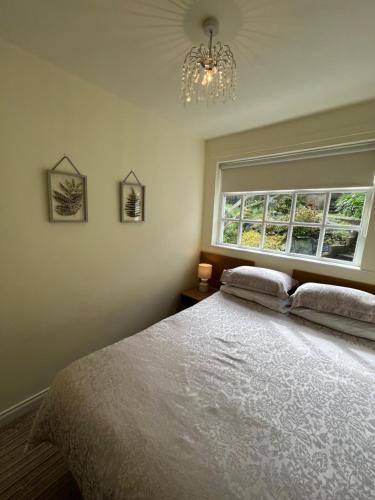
pixel 323 225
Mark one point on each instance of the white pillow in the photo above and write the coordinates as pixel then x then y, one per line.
pixel 338 323
pixel 333 299
pixel 264 299
pixel 259 279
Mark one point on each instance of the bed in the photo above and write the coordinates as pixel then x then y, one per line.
pixel 225 400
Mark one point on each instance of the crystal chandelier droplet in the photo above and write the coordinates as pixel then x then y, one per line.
pixel 209 73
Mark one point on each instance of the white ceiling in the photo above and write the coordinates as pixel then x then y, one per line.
pixel 294 57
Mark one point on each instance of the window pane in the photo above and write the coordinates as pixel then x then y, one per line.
pixel 339 244
pixel 251 234
pixel 310 207
pixel 254 207
pixel 232 206
pixel 305 240
pixel 275 237
pixel 346 208
pixel 230 232
pixel 279 207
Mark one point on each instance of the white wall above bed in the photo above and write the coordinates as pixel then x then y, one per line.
pixel 69 289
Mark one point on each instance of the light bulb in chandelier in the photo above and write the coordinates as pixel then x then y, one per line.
pixel 206 78
pixel 209 73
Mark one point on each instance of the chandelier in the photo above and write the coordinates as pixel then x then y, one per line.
pixel 209 74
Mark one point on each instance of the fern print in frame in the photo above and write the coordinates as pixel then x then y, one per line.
pixel 133 204
pixel 67 194
pixel 69 198
pixel 132 200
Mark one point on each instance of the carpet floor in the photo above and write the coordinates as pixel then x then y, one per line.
pixel 37 474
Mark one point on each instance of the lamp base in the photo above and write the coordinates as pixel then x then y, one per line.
pixel 203 286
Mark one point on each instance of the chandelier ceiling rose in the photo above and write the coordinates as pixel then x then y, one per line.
pixel 210 25
pixel 209 73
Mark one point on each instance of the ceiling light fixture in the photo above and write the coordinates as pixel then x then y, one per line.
pixel 209 74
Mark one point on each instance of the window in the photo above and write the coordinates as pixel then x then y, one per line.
pixel 320 225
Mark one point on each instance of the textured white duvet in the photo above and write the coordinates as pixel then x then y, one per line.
pixel 226 400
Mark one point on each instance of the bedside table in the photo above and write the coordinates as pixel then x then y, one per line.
pixel 193 296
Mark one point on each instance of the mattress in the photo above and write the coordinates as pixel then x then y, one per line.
pixel 225 400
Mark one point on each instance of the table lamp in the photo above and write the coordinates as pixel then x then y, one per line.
pixel 204 274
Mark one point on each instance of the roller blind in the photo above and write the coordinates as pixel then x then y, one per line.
pixel 347 170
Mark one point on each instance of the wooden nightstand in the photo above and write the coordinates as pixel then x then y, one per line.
pixel 193 296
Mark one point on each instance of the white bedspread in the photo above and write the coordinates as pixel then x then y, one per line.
pixel 225 400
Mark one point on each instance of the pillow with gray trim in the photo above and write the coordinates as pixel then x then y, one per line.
pixel 264 299
pixel 333 299
pixel 339 323
pixel 259 279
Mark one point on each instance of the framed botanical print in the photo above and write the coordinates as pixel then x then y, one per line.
pixel 67 193
pixel 132 200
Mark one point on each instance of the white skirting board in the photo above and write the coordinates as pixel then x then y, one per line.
pixel 22 407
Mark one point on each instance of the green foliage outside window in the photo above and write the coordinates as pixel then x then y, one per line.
pixel 351 204
pixel 307 214
pixel 310 207
pixel 346 208
pixel 254 207
pixel 336 234
pixel 279 206
pixel 232 207
pixel 275 238
pixel 230 233
pixel 337 237
pixel 274 241
pixel 251 235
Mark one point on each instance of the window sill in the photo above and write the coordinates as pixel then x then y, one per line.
pixel 288 257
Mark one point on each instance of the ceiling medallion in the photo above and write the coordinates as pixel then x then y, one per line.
pixel 209 74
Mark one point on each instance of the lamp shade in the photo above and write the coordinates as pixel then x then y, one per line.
pixel 204 271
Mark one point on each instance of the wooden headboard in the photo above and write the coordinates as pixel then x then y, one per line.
pixel 221 262
pixel 304 277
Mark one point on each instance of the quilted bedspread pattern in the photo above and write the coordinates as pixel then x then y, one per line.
pixel 225 400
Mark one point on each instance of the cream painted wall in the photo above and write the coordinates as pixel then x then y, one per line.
pixel 69 289
pixel 352 123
